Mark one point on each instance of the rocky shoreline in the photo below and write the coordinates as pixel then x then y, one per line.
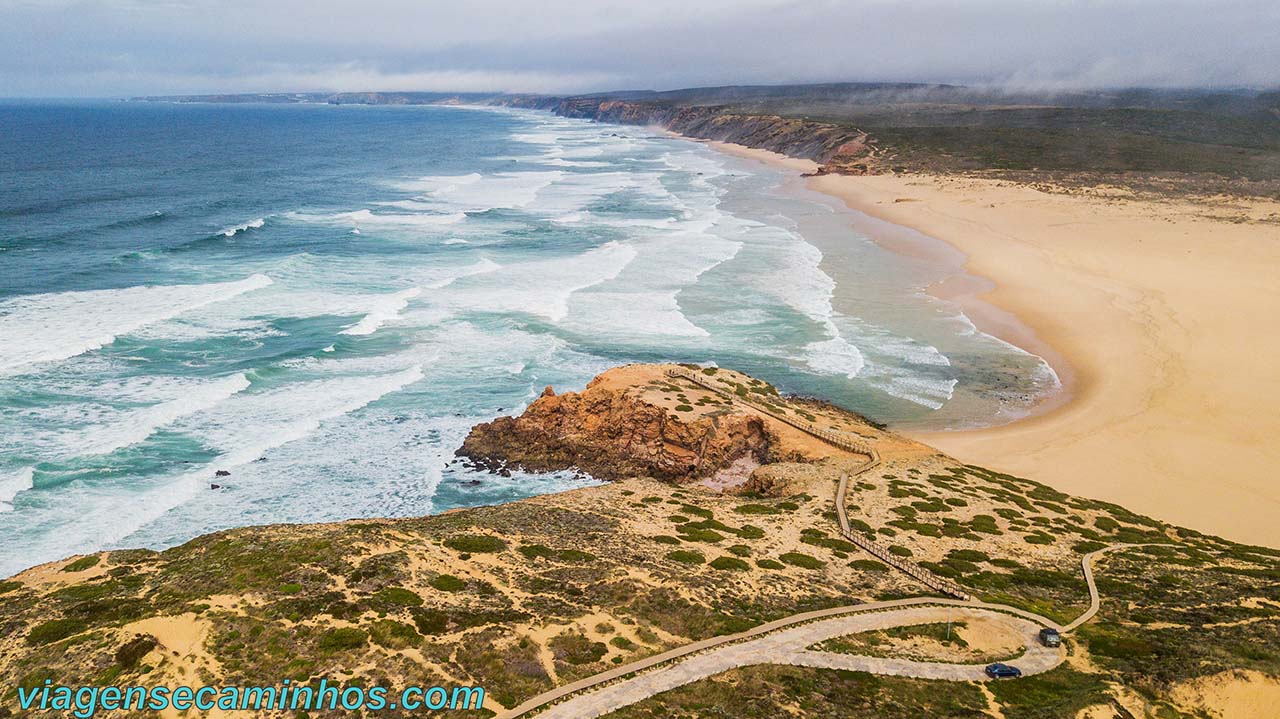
pixel 613 432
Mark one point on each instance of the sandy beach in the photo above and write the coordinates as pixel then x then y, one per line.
pixel 1155 314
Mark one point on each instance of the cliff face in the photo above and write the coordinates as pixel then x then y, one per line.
pixel 837 148
pixel 614 434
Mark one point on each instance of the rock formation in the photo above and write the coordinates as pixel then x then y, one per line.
pixel 616 432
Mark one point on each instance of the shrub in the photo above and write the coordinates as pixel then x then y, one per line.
pixel 751 532
pixel 700 535
pixel 900 551
pixel 696 511
pixel 291 588
pixel 1106 524
pixel 132 651
pixel 54 630
pixel 804 561
pixel 665 539
pixel 536 550
pixel 730 564
pixel 1038 538
pixel 576 648
pixel 756 509
pixel 83 563
pixel 392 634
pixel 686 556
pixel 575 555
pixel 475 543
pixel 868 565
pixel 684 408
pixel 447 583
pixel 740 550
pixel 430 621
pixel 968 555
pixel 398 596
pixel 342 639
pixel 769 564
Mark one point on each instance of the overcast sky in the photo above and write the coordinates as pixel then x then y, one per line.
pixel 129 47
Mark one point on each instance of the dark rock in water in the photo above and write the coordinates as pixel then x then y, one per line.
pixel 222 473
pixel 215 486
pixel 260 459
pixel 504 472
pixel 502 409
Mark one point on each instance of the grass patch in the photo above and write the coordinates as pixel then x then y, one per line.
pixel 687 556
pixel 804 561
pixel 475 543
pixel 83 563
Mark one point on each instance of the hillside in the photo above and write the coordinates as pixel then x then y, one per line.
pixel 742 529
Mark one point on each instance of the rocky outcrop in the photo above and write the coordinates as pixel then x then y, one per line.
pixel 836 148
pixel 613 433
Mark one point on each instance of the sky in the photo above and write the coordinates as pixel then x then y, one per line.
pixel 113 48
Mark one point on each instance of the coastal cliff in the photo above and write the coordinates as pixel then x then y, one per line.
pixel 618 428
pixel 838 149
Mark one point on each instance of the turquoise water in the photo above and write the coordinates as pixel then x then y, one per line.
pixel 321 301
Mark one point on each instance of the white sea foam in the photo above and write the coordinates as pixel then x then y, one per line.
pixel 911 385
pixel 250 225
pixel 11 483
pixel 370 219
pixel 52 327
pixel 385 310
pixel 456 241
pixel 479 193
pixel 834 356
pixel 443 277
pixel 241 430
pixel 541 287
pixel 134 426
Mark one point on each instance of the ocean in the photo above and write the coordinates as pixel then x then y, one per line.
pixel 310 305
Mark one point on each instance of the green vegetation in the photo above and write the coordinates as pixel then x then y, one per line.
pixel 54 630
pixel 393 635
pixel 342 639
pixel 804 561
pixel 475 543
pixel 756 509
pixel 398 596
pixel 83 563
pixel 687 556
pixel 730 564
pixel 447 583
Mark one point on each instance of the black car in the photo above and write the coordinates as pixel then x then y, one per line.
pixel 1050 637
pixel 1000 671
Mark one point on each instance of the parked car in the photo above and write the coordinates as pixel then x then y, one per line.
pixel 1001 671
pixel 1050 637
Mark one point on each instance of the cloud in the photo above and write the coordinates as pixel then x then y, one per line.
pixel 120 47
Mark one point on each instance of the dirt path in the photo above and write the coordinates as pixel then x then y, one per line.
pixel 790 646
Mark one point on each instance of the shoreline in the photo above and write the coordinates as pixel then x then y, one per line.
pixel 1147 309
pixel 967 290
